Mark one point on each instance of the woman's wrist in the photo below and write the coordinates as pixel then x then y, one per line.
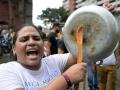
pixel 68 81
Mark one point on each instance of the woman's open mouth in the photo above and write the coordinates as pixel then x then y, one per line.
pixel 32 53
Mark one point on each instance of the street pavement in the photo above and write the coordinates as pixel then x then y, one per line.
pixel 82 86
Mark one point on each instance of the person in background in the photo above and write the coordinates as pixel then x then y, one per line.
pixel 47 45
pixel 42 34
pixel 30 71
pixel 1 52
pixel 61 44
pixel 11 34
pixel 92 77
pixel 5 41
pixel 52 38
pixel 61 47
pixel 107 72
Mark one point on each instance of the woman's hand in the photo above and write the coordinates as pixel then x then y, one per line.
pixel 109 6
pixel 76 72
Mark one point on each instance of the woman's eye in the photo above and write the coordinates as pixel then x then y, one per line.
pixel 24 39
pixel 37 38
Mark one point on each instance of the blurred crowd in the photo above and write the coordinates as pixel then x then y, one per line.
pixel 6 39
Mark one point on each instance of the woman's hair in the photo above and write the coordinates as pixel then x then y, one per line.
pixel 16 35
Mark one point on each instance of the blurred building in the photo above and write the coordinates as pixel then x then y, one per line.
pixel 15 12
pixel 71 5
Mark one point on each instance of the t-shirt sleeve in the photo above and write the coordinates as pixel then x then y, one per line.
pixel 61 60
pixel 9 79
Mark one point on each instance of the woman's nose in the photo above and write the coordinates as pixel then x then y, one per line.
pixel 31 41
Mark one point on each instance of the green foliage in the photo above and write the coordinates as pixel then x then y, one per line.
pixel 51 15
pixel 63 13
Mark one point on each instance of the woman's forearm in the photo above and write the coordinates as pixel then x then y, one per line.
pixel 75 74
pixel 58 84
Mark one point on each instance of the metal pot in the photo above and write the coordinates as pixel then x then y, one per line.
pixel 101 30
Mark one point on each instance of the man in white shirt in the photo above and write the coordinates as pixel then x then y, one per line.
pixel 107 73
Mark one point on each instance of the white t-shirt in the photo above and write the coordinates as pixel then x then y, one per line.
pixel 14 75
